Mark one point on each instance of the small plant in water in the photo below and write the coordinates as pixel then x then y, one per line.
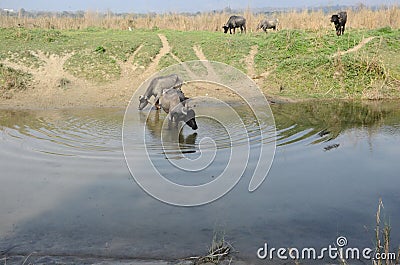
pixel 219 250
pixel 382 237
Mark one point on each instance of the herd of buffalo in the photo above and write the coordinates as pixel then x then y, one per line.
pixel 167 89
pixel 234 22
pixel 168 95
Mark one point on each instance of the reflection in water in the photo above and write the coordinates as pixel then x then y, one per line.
pixel 172 139
pixel 330 147
pixel 325 121
pixel 94 129
pixel 333 162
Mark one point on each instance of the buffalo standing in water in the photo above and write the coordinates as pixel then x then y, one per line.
pixel 157 86
pixel 235 22
pixel 177 109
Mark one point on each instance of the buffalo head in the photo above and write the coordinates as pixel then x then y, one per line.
pixel 335 19
pixel 143 101
pixel 190 119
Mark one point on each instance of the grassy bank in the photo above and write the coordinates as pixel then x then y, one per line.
pixel 291 63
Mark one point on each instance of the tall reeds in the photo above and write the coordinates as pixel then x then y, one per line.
pixel 358 18
pixel 383 240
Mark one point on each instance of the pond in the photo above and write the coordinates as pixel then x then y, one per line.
pixel 66 188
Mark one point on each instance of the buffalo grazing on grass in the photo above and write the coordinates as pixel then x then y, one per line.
pixel 233 23
pixel 339 20
pixel 268 24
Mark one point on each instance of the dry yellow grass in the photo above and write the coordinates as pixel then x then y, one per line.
pixel 360 18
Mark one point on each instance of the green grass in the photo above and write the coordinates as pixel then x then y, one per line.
pixel 301 63
pixel 166 60
pixel 93 65
pixel 226 48
pixel 182 43
pixel 303 67
pixel 229 49
pixel 96 51
pixel 11 79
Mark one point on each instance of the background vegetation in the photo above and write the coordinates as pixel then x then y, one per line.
pixel 303 59
pixel 360 17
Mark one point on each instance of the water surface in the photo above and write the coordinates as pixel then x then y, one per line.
pixel 66 189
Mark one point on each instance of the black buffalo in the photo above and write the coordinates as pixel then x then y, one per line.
pixel 235 22
pixel 339 20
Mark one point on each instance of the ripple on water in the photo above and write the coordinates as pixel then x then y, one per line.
pixel 63 132
pixel 93 199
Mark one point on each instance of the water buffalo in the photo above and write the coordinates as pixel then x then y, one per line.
pixel 268 24
pixel 339 20
pixel 154 125
pixel 177 110
pixel 157 86
pixel 235 22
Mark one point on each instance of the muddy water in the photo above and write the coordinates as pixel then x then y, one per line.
pixel 65 188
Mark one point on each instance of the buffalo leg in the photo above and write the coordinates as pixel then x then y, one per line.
pixel 157 105
pixel 169 117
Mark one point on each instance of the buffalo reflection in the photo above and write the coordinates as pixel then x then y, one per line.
pixel 172 139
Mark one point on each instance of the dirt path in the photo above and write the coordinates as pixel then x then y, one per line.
pixel 48 90
pixel 176 58
pixel 249 60
pixel 355 48
pixel 50 72
pixel 122 89
pixel 212 75
pixel 152 68
pixel 19 67
pixel 199 53
pixel 53 70
pixel 52 85
pixel 127 67
pixel 251 71
pixel 166 49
